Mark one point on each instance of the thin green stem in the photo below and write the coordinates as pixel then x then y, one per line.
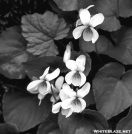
pixel 53 95
pixel 96 50
pixel 61 43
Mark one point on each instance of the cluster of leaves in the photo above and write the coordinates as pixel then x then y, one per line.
pixel 27 50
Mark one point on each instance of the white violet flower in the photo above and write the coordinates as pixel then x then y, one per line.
pixel 74 100
pixel 56 89
pixel 86 25
pixel 56 107
pixel 71 101
pixel 76 75
pixel 42 85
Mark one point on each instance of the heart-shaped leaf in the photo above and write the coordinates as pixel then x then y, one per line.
pixel 112 88
pixel 89 98
pixel 112 9
pixel 23 109
pixel 8 128
pixel 49 125
pixel 12 53
pixel 101 45
pixel 41 30
pixel 36 67
pixel 70 5
pixel 109 10
pixel 57 131
pixel 11 42
pixel 12 68
pixel 122 51
pixel 125 124
pixel 83 123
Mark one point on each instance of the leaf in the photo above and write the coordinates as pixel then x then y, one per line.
pixel 49 125
pixel 57 131
pixel 70 5
pixel 83 123
pixel 8 128
pixel 11 42
pixel 126 123
pixel 89 98
pixel 12 68
pixel 102 44
pixel 125 8
pixel 122 51
pixel 12 53
pixel 23 109
pixel 109 9
pixel 112 88
pixel 36 67
pixel 41 30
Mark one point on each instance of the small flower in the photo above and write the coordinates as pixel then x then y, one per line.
pixel 74 99
pixel 42 85
pixel 76 75
pixel 71 101
pixel 87 23
pixel 67 53
pixel 56 107
pixel 56 89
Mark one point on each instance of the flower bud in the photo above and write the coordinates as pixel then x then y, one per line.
pixel 67 53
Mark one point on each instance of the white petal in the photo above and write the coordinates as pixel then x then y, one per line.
pixel 69 112
pixel 66 112
pixel 56 107
pixel 77 32
pixel 87 34
pixel 80 61
pixel 84 15
pixel 45 73
pixel 71 64
pixel 67 53
pixel 83 78
pixel 62 95
pixel 96 20
pixel 67 103
pixel 83 104
pixel 69 76
pixel 52 75
pixel 68 91
pixel 84 90
pixel 45 89
pixel 33 86
pixel 95 35
pixel 40 97
pixel 78 22
pixel 89 7
pixel 76 106
pixel 59 82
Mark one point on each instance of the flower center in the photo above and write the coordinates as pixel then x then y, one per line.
pixel 76 79
pixel 77 75
pixel 88 30
pixel 43 87
pixel 43 84
pixel 76 105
